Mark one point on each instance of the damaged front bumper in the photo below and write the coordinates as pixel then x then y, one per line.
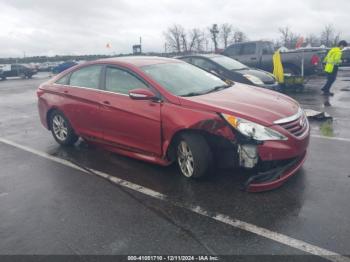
pixel 273 178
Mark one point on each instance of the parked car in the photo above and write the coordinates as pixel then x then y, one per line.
pixel 61 67
pixel 258 54
pixel 17 70
pixel 231 69
pixel 164 110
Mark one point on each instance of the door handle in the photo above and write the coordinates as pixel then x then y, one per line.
pixel 253 58
pixel 106 102
pixel 65 91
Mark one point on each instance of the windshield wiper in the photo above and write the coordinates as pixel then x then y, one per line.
pixel 217 88
pixel 193 94
pixel 239 69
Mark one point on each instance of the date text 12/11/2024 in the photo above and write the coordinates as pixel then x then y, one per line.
pixel 173 258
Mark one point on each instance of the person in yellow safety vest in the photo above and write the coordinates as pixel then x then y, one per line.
pixel 332 60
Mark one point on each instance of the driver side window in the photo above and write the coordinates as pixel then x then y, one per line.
pixel 121 81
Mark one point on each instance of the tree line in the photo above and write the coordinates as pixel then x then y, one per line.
pixel 181 40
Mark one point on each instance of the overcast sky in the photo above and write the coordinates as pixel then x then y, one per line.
pixel 46 27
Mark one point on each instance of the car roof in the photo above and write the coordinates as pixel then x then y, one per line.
pixel 140 61
pixel 201 55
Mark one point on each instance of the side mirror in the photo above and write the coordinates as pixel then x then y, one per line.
pixel 142 94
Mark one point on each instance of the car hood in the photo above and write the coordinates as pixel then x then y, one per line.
pixel 252 103
pixel 264 76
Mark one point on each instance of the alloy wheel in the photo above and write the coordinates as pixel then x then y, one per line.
pixel 185 159
pixel 59 127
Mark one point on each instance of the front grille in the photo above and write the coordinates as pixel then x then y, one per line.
pixel 297 127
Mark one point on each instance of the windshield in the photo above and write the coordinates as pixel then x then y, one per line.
pixel 228 63
pixel 183 79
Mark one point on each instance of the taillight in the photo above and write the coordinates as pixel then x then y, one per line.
pixel 315 60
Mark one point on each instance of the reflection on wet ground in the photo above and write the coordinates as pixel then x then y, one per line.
pixel 338 106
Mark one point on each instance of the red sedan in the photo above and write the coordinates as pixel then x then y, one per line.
pixel 164 110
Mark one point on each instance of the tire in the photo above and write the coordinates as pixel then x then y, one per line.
pixel 61 129
pixel 194 156
pixel 291 69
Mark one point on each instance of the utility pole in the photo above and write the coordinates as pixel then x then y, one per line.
pixel 140 45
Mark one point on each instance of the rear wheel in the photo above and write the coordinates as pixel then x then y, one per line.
pixel 194 155
pixel 61 129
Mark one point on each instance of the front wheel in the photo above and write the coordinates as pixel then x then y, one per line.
pixel 194 155
pixel 61 129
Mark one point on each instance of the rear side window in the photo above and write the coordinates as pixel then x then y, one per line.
pixel 248 49
pixel 88 76
pixel 121 81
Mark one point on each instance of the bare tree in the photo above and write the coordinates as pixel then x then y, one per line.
pixel 285 33
pixel 288 38
pixel 206 42
pixel 313 40
pixel 336 39
pixel 226 33
pixel 329 37
pixel 214 32
pixel 239 36
pixel 184 41
pixel 201 41
pixel 293 40
pixel 196 39
pixel 174 38
pixel 285 36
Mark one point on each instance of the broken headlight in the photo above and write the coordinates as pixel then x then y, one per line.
pixel 253 130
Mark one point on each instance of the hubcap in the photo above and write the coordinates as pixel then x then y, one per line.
pixel 185 159
pixel 59 127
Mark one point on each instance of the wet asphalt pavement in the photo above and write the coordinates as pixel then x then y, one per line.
pixel 50 208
